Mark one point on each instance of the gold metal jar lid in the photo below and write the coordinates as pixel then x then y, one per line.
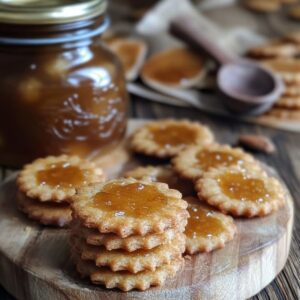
pixel 49 11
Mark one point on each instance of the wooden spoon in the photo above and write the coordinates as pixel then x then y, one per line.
pixel 246 86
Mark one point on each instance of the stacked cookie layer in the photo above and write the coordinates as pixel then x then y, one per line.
pixel 128 233
pixel 46 185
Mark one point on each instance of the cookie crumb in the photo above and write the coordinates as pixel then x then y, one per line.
pixel 257 142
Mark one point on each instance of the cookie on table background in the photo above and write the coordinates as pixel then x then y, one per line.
pixel 244 192
pixel 166 138
pixel 207 229
pixel 194 161
pixel 294 12
pixel 284 114
pixel 263 6
pixel 127 281
pixel 46 186
pixel 46 213
pixel 288 102
pixel 164 174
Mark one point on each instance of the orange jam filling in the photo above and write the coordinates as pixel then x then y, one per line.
pixel 173 67
pixel 239 186
pixel 209 159
pixel 61 175
pixel 173 135
pixel 133 200
pixel 202 223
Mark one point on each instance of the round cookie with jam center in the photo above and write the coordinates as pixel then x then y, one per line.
pixel 135 242
pixel 127 281
pixel 56 178
pixel 193 162
pixel 241 192
pixel 164 174
pixel 166 138
pixel 207 229
pixel 130 207
pixel 134 262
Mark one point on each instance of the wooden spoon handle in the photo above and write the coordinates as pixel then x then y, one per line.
pixel 187 30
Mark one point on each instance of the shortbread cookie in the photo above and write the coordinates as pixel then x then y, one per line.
pixel 163 174
pixel 265 6
pixel 193 162
pixel 293 37
pixel 294 12
pixel 127 281
pixel 292 90
pixel 167 138
pixel 241 192
pixel 287 68
pixel 55 178
pixel 46 213
pixel 207 229
pixel 173 68
pixel 131 243
pixel 277 48
pixel 130 207
pixel 131 52
pixel 288 102
pixel 284 114
pixel 134 262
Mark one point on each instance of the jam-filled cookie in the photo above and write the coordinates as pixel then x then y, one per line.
pixel 166 138
pixel 55 178
pixel 164 174
pixel 274 49
pixel 127 281
pixel 241 191
pixel 129 206
pixel 112 241
pixel 46 213
pixel 194 161
pixel 207 229
pixel 134 262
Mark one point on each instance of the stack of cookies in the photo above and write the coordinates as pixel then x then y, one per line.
pixel 216 180
pixel 128 233
pixel 282 57
pixel 46 186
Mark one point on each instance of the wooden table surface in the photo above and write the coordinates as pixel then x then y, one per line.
pixel 286 160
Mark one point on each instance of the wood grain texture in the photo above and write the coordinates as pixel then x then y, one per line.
pixel 35 264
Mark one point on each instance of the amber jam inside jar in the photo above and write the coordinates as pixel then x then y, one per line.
pixel 62 90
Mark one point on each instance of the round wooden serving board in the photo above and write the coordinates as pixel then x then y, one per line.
pixel 35 261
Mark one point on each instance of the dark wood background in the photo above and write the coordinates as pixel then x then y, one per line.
pixel 286 160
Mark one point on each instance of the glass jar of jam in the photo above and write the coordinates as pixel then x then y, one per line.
pixel 62 90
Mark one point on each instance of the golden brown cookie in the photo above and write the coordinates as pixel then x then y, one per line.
pixel 55 178
pixel 276 48
pixel 163 174
pixel 136 261
pixel 292 90
pixel 167 138
pixel 131 243
pixel 263 6
pixel 194 161
pixel 290 115
pixel 241 192
pixel 127 281
pixel 207 229
pixel 287 68
pixel 131 52
pixel 293 37
pixel 46 213
pixel 173 68
pixel 294 12
pixel 130 207
pixel 288 102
